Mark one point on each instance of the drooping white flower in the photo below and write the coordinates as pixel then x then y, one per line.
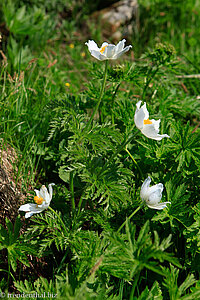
pixel 152 194
pixel 42 201
pixel 107 51
pixel 150 128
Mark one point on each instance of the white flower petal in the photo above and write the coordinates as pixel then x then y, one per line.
pixel 146 113
pixel 138 104
pixel 155 194
pixel 109 51
pixel 158 206
pixel 150 128
pixel 33 208
pixel 44 205
pixel 118 54
pixel 29 214
pixel 51 190
pixel 42 192
pixel 155 188
pixel 120 46
pixel 27 207
pixel 156 124
pixel 98 55
pixel 152 133
pixel 145 188
pixel 139 116
pixel 92 46
pixel 37 193
pixel 30 209
pixel 152 195
pixel 105 44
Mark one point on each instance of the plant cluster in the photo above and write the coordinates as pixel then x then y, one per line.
pixel 101 135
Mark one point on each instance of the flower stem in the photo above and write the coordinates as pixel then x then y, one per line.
pixel 133 213
pixel 61 221
pixel 71 179
pixel 134 161
pixel 100 97
pixel 148 82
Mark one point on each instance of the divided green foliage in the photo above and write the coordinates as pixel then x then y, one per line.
pixel 62 289
pixel 13 242
pixel 133 254
pixel 180 291
pixel 50 88
pixel 47 230
pixel 192 233
pixel 178 154
pixel 180 208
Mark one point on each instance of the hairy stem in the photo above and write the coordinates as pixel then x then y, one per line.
pixel 134 161
pixel 100 97
pixel 133 213
pixel 148 82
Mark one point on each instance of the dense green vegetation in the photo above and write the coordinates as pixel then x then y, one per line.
pixel 98 239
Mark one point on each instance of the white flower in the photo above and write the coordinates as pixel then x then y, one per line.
pixel 152 195
pixel 42 199
pixel 107 51
pixel 150 128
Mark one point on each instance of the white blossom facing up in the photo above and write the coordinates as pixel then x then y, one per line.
pixel 150 128
pixel 152 194
pixel 107 51
pixel 42 201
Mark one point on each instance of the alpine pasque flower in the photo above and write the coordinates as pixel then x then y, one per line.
pixel 42 201
pixel 107 51
pixel 152 194
pixel 150 128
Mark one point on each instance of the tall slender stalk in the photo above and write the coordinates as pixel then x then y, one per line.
pixel 134 161
pixel 151 74
pixel 100 97
pixel 133 213
pixel 114 95
pixel 148 82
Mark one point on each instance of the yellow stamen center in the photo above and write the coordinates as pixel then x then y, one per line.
pixel 38 200
pixel 147 122
pixel 103 49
